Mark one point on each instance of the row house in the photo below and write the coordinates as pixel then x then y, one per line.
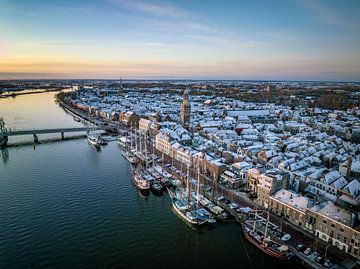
pixel 270 182
pixel 185 155
pixel 335 226
pixel 163 143
pixel 129 118
pixel 290 205
pixel 253 176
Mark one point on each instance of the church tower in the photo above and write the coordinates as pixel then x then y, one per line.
pixel 185 110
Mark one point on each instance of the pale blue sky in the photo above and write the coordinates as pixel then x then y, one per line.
pixel 279 40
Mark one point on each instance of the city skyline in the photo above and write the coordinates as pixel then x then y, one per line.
pixel 281 40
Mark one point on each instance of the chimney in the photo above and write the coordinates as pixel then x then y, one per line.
pixel 348 170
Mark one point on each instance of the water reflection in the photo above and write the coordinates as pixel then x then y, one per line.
pixel 4 154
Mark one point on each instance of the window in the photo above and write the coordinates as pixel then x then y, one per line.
pixel 345 239
pixel 333 225
pixel 324 221
pixel 341 230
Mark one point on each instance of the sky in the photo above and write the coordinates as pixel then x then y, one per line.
pixel 187 39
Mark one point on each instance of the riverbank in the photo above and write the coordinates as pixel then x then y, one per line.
pixel 8 94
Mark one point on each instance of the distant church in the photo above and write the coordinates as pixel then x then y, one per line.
pixel 185 110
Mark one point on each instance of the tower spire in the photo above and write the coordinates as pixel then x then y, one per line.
pixel 185 109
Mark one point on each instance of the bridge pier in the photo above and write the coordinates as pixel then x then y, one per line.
pixel 62 136
pixel 36 139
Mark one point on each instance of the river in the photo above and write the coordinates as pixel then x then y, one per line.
pixel 66 205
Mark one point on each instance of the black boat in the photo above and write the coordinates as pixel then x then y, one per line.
pixel 164 182
pixel 156 187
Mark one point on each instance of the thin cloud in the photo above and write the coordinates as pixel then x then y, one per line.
pixel 327 14
pixel 160 9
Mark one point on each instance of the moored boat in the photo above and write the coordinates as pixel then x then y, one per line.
pixel 139 182
pixel 128 156
pixel 93 140
pixel 156 187
pixel 122 141
pixel 185 213
pixel 265 244
pixel 218 212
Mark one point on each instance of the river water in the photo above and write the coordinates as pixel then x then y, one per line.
pixel 66 205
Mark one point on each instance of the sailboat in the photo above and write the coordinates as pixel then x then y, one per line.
pixel 183 208
pixel 140 183
pixel 125 150
pixel 263 242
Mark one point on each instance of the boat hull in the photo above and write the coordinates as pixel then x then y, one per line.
pixel 267 250
pixel 182 215
pixel 142 188
pixel 94 143
pixel 128 157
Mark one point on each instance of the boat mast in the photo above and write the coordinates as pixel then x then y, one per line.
pixel 136 141
pixel 267 222
pixel 163 161
pixel 140 140
pixel 198 181
pixel 146 159
pixel 153 152
pixel 188 184
pixel 131 139
pixel 255 219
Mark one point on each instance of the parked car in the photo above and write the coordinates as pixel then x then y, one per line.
pixel 286 237
pixel 300 247
pixel 307 251
pixel 233 206
pixel 328 263
pixel 319 259
pixel 221 199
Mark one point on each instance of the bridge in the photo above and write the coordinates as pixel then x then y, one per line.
pixel 5 133
pixel 50 131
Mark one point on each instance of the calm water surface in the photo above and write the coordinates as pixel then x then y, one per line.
pixel 65 205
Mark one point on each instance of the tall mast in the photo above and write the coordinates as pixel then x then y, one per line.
pixel 146 160
pixel 140 140
pixel 131 139
pixel 255 219
pixel 198 181
pixel 153 151
pixel 187 177
pixel 188 184
pixel 267 222
pixel 163 161
pixel 136 142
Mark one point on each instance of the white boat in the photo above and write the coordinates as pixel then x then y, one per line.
pixel 122 141
pixel 93 140
pixel 128 156
pixel 185 213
